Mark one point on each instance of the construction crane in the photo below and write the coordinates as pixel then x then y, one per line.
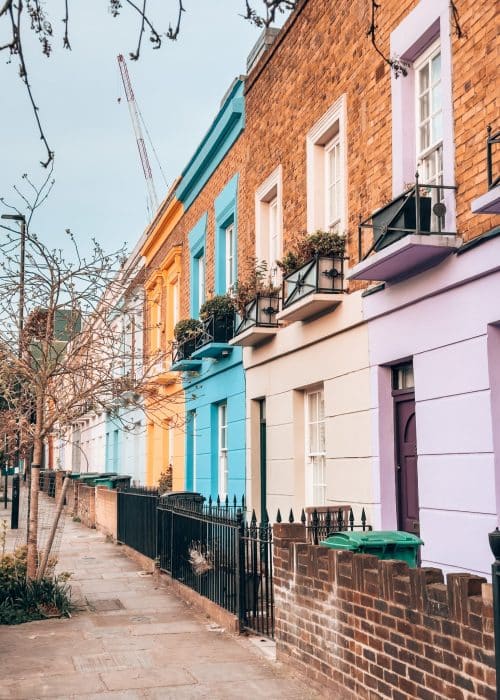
pixel 143 154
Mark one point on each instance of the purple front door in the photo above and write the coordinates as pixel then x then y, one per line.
pixel 406 463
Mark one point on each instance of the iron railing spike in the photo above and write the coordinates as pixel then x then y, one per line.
pixel 218 501
pixel 234 501
pixel 303 517
pixel 278 516
pixel 227 501
pixel 351 519
pixel 266 517
pixel 291 519
pixel 254 517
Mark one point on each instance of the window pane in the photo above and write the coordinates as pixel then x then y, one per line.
pixel 423 76
pixel 436 98
pixel 424 106
pixel 436 68
pixel 437 127
pixel 313 407
pixel 424 136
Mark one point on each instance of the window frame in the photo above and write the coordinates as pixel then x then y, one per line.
pixel 222 451
pixel 230 250
pixel 310 455
pixel 328 132
pixel 269 195
pixel 434 149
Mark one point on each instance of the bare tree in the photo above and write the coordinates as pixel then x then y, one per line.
pixel 22 16
pixel 69 355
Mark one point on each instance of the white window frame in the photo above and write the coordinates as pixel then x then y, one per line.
pixel 269 199
pixel 327 133
pixel 230 256
pixel 194 448
pixel 333 219
pixel 418 32
pixel 315 490
pixel 200 261
pixel 434 149
pixel 222 457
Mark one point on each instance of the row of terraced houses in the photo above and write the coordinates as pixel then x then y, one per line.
pixel 373 377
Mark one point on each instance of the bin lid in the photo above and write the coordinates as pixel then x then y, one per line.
pixel 370 539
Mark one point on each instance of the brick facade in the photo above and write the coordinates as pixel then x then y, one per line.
pixel 365 628
pixel 322 53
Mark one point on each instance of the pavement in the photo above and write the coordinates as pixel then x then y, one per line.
pixel 131 638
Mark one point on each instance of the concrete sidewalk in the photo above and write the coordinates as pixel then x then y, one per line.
pixel 132 639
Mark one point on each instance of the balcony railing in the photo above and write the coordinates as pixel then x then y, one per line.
pixel 492 140
pixel 321 275
pixel 181 355
pixel 212 340
pixel 260 312
pixel 399 218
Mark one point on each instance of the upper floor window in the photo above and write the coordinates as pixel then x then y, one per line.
pixel 333 185
pixel 200 266
pixel 326 171
pixel 429 116
pixel 268 222
pixel 422 106
pixel 230 257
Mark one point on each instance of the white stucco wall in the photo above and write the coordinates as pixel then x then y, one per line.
pixel 332 351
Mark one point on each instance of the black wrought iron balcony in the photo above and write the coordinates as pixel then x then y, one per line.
pixel 408 234
pixel 489 203
pixel 182 351
pixel 258 321
pixel 213 339
pixel 313 288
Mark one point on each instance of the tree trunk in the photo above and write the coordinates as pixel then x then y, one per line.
pixel 32 555
pixel 53 530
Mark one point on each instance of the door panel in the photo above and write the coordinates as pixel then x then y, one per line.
pixel 406 460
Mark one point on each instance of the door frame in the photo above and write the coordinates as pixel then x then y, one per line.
pixel 400 396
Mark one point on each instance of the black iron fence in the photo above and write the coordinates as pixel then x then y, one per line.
pixel 212 547
pixel 137 520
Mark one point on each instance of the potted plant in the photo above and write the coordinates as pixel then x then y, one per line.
pixel 185 333
pixel 401 213
pixel 304 247
pixel 217 315
pixel 257 293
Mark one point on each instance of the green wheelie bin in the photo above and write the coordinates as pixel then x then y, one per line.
pixel 384 544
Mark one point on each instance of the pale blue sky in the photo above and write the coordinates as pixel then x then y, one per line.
pixel 100 189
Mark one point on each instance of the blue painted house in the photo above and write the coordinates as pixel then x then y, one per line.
pixel 213 376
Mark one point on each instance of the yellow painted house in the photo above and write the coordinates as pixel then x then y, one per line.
pixel 164 400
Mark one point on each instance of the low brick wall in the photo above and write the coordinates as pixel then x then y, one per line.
pixel 366 628
pixel 106 509
pixel 86 505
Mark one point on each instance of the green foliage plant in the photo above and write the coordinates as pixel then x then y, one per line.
pixel 23 600
pixel 257 281
pixel 218 306
pixel 303 247
pixel 187 328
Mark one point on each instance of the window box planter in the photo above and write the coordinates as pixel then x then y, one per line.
pixel 313 288
pixel 182 352
pixel 408 235
pixel 213 340
pixel 258 321
pixel 398 218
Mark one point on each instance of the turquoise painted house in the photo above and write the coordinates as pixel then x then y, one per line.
pixel 213 376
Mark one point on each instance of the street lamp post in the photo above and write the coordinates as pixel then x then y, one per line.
pixel 20 321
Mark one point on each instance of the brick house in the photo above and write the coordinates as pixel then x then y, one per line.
pixel 385 397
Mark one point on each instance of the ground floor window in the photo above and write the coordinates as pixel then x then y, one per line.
pixel 315 447
pixel 222 449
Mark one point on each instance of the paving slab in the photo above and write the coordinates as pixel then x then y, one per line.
pixel 131 638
